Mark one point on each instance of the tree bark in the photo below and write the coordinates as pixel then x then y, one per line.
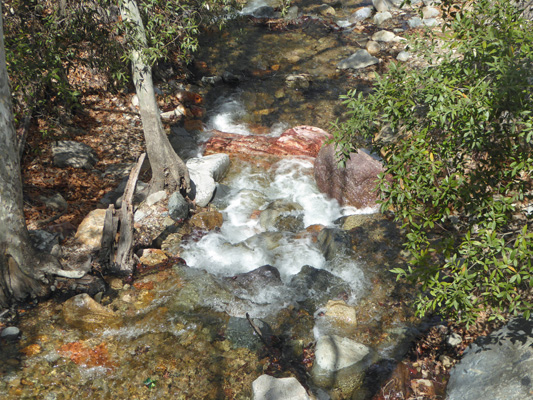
pixel 22 270
pixel 168 169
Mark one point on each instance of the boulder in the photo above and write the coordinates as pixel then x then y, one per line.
pixel 267 387
pixel 298 141
pixel 282 215
pixel 207 220
pixel 241 334
pixel 361 14
pixel 496 367
pixel 340 363
pixel 90 230
pixel 68 153
pixel 84 313
pixel 360 59
pixel 178 208
pixel 204 173
pixel 381 17
pixel 354 185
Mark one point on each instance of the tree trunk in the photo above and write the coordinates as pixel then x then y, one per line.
pixel 22 270
pixel 168 169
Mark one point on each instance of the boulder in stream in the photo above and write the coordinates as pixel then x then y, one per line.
pixel 83 312
pixel 354 185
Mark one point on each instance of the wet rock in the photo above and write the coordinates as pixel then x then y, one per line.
pixel 241 334
pixel 361 14
pixel 498 366
pixel 354 221
pixel 360 59
pixel 221 197
pixel 326 10
pixel 334 242
pixel 216 165
pixel 68 153
pixel 156 197
pixel 265 12
pixel 292 13
pixel 10 333
pixel 298 141
pixel 204 173
pixel 282 215
pixel 315 286
pixel 381 17
pixel 83 312
pixel 90 230
pixel 298 81
pixel 385 36
pixel 340 363
pixel 265 276
pixel 267 387
pixel 151 257
pixel 178 208
pixel 338 312
pixel 207 220
pixel 353 185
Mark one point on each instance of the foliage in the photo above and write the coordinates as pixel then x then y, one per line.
pixel 456 138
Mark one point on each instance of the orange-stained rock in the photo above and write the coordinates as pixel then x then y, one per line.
pixel 208 220
pixel 298 141
pixel 143 285
pixel 31 350
pixel 192 125
pixel 80 353
pixel 151 257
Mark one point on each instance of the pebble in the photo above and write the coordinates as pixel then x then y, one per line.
pixel 10 333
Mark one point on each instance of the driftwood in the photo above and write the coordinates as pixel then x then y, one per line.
pixel 114 256
pixel 124 261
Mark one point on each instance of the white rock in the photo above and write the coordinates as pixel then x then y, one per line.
pixel 203 187
pixel 385 36
pixel 430 12
pixel 267 387
pixel 360 59
pixel 381 17
pixel 156 197
pixel 414 22
pixel 135 101
pixel 361 14
pixel 430 22
pixel 403 56
pixel 216 165
pixel 382 5
pixel 334 353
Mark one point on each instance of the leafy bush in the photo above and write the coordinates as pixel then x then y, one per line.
pixel 456 138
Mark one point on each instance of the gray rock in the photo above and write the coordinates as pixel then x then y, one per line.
pixel 241 334
pixel 334 242
pixel 10 333
pixel 430 12
pixel 292 13
pixel 360 59
pixel 403 56
pixel 282 215
pixel 382 5
pixel 267 387
pixel 415 22
pixel 361 14
pixel 183 143
pixel 496 367
pixel 221 197
pixel 178 208
pixel 385 36
pixel 204 173
pixel 56 202
pixel 340 363
pixel 68 153
pixel 381 17
pixel 430 22
pixel 45 241
pixel 454 340
pixel 156 197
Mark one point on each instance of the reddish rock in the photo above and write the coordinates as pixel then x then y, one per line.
pixel 298 141
pixel 355 185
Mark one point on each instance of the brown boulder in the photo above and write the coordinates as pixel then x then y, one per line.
pixel 298 141
pixel 355 185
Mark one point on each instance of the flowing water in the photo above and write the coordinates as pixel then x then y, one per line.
pixel 174 333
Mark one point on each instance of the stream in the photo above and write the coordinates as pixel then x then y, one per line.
pixel 286 256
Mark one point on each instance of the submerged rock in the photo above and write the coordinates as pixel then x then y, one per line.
pixel 282 215
pixel 360 59
pixel 208 220
pixel 241 333
pixel 267 387
pixel 84 313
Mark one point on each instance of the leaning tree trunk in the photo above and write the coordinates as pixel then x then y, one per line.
pixel 22 270
pixel 168 169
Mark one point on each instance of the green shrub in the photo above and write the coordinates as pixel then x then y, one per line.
pixel 456 138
